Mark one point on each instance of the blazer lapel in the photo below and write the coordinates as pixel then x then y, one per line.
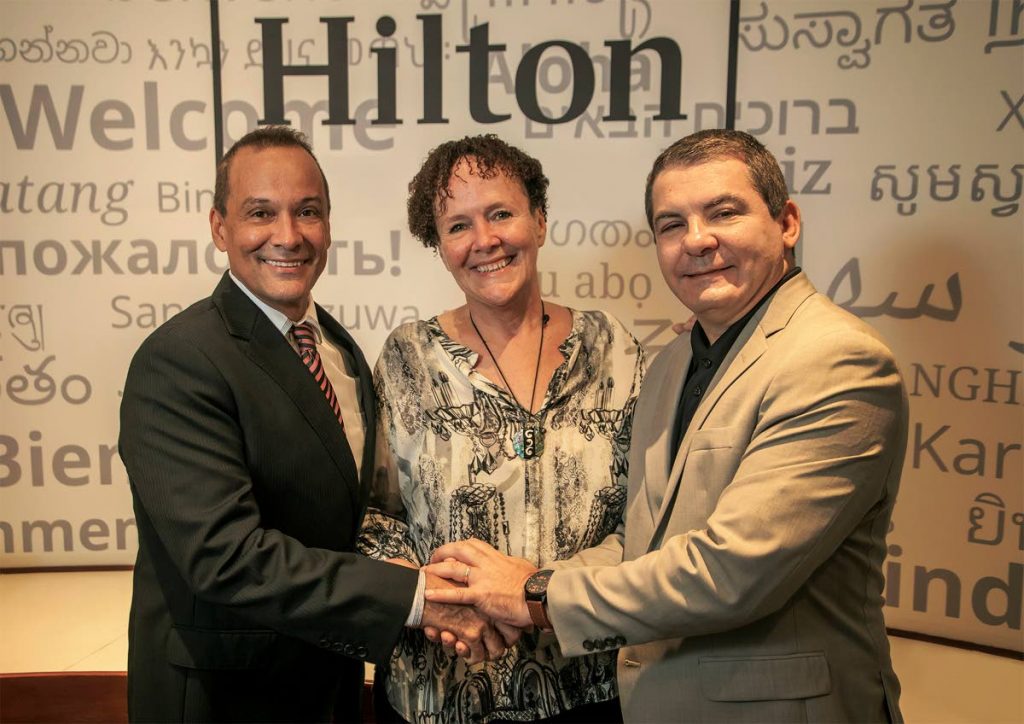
pixel 268 349
pixel 658 450
pixel 748 348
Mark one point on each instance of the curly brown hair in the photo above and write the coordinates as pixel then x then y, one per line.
pixel 429 192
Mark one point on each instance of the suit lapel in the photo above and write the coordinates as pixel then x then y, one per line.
pixel 661 422
pixel 749 347
pixel 267 348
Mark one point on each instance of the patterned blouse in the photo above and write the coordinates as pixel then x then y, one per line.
pixel 453 473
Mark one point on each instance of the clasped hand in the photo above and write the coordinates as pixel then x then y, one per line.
pixel 492 583
pixel 474 599
pixel 460 629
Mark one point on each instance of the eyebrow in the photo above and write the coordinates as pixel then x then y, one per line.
pixel 723 199
pixel 717 201
pixel 257 200
pixel 667 215
pixel 448 218
pixel 489 209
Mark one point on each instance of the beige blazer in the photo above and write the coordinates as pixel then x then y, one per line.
pixel 749 585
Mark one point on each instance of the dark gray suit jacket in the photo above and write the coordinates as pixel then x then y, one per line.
pixel 248 602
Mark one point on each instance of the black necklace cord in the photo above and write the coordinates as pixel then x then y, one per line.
pixel 536 371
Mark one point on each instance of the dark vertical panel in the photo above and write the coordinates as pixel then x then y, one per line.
pixel 218 120
pixel 730 84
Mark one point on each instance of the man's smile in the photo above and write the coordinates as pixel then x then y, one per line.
pixel 284 264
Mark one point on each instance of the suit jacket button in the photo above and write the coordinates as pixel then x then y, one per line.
pixel 361 652
pixel 620 640
pixel 337 647
pixel 348 649
pixel 324 643
pixel 611 642
pixel 588 645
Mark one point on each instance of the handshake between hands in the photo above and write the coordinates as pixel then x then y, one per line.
pixel 475 605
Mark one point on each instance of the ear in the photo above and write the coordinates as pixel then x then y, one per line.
pixel 542 227
pixel 217 230
pixel 789 220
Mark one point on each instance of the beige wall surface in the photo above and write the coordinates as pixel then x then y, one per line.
pixel 899 125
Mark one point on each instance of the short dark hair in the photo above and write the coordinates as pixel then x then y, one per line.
pixel 716 145
pixel 261 138
pixel 491 156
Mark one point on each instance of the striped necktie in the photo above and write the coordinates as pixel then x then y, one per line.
pixel 305 340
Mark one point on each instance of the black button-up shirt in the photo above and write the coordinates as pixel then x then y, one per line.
pixel 707 358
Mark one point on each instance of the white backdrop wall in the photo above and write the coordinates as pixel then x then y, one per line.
pixel 899 125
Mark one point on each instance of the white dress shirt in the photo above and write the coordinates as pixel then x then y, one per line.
pixel 340 370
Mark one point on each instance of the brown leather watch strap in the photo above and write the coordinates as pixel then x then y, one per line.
pixel 539 615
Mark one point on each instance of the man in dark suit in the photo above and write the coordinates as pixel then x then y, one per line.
pixel 249 449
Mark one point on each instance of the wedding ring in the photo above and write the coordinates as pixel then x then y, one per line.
pixel 465 577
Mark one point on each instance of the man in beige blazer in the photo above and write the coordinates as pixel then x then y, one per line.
pixel 745 581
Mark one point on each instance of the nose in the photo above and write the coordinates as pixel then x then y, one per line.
pixel 485 237
pixel 698 239
pixel 287 231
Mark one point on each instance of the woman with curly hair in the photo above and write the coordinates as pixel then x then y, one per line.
pixel 508 419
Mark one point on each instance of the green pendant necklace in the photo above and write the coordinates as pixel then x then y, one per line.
pixel 528 440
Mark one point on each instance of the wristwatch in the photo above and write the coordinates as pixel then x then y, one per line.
pixel 536 590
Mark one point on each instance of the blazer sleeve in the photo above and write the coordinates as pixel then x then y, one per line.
pixel 826 442
pixel 182 445
pixel 606 553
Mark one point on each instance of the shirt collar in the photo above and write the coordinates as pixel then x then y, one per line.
pixel 280 320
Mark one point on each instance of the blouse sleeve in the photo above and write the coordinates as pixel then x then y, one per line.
pixel 626 347
pixel 385 530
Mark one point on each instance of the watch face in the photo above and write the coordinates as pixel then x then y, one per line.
pixel 537 584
